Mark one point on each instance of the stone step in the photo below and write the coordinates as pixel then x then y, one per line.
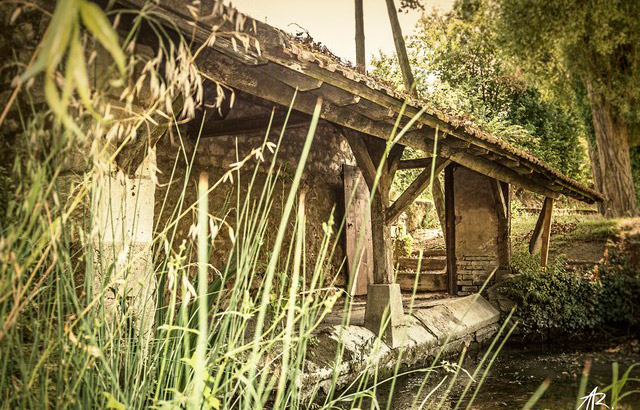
pixel 433 281
pixel 432 263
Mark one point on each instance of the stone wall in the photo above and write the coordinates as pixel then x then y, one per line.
pixel 322 181
pixel 477 229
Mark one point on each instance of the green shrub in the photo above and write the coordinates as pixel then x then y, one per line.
pixel 557 302
pixel 620 297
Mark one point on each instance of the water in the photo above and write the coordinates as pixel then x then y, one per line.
pixel 519 371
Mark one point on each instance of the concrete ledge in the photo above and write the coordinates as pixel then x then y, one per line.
pixel 444 328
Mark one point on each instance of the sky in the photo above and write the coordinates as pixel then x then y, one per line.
pixel 332 22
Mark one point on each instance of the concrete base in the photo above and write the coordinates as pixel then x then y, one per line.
pixel 439 330
pixel 384 314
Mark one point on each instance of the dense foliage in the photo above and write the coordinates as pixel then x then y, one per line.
pixel 572 49
pixel 457 63
pixel 563 303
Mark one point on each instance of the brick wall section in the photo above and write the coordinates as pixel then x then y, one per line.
pixel 473 271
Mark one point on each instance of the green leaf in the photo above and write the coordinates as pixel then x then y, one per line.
pixel 112 403
pixel 77 69
pixel 55 40
pixel 99 25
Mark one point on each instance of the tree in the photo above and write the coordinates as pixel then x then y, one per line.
pixel 458 65
pixel 571 46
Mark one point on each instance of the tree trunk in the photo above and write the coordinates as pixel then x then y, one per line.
pixel 613 157
pixel 595 170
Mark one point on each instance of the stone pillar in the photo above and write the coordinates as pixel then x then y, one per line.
pixel 478 239
pixel 122 218
pixel 384 314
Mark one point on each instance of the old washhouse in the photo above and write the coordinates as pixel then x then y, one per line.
pixel 358 114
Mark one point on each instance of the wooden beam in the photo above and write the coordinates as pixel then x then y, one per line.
pixel 255 81
pixel 535 243
pixel 249 125
pixel 414 163
pixel 504 233
pixel 361 61
pixel 393 161
pixel 546 231
pixel 498 197
pixel 414 190
pixel 450 228
pixel 497 171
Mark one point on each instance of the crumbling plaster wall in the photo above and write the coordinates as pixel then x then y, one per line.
pixel 477 229
pixel 322 181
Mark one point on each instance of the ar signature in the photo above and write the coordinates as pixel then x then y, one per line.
pixel 593 399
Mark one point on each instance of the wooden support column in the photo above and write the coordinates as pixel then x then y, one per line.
pixel 450 229
pixel 502 198
pixel 368 154
pixel 438 202
pixel 541 235
pixel 546 231
pixel 384 313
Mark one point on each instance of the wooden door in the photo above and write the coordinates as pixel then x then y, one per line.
pixel 358 230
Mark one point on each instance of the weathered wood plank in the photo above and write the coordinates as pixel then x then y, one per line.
pixel 359 245
pixel 380 231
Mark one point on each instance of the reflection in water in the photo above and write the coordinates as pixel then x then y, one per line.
pixel 517 373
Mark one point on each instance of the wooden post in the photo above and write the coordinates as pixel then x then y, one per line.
pixel 438 203
pixel 502 197
pixel 401 49
pixel 547 210
pixel 368 154
pixel 361 61
pixel 450 228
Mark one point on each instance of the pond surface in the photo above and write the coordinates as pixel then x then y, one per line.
pixel 518 372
